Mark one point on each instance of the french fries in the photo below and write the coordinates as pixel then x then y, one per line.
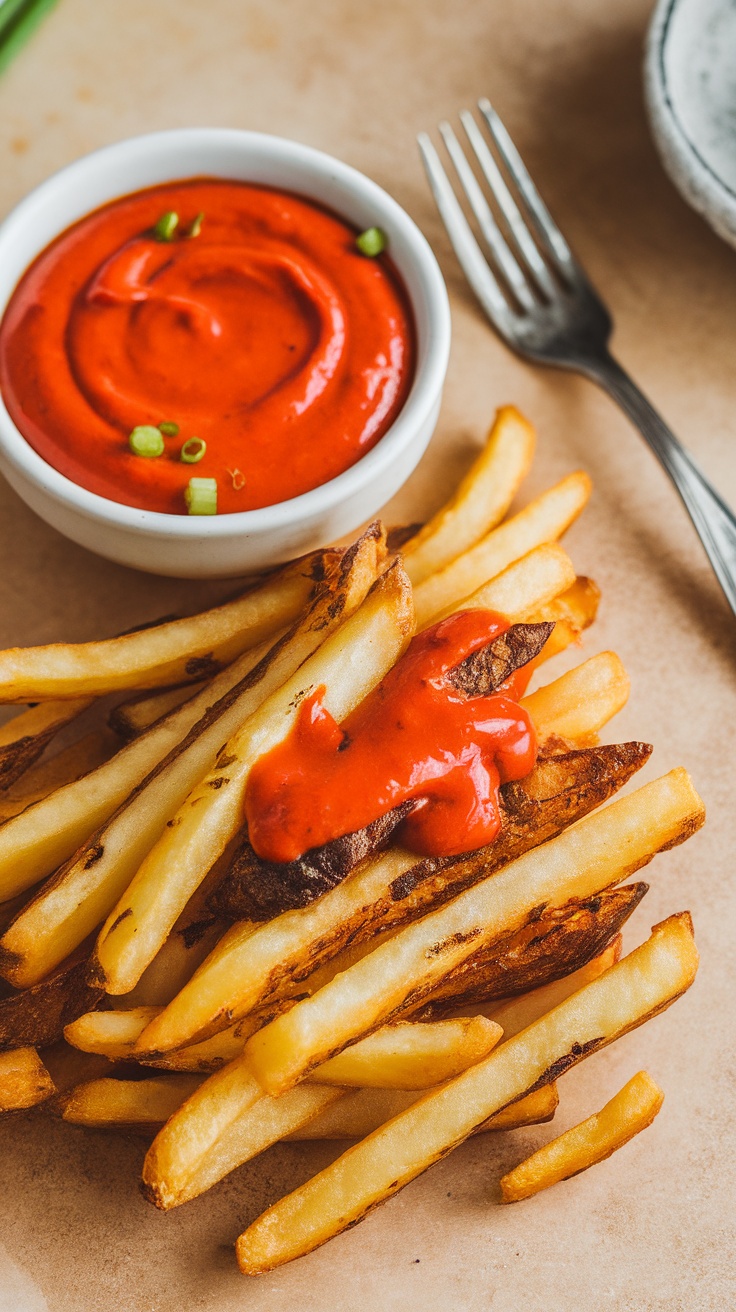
pixel 594 854
pixel 543 520
pixel 415 1001
pixel 24 1080
pixel 361 1111
pixel 24 738
pixel 638 987
pixel 481 500
pixel 229 1119
pixel 86 890
pixel 178 651
pixel 628 1113
pixel 348 664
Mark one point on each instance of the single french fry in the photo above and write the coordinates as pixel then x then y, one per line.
pixel 112 1034
pixel 349 663
pixel 642 985
pixel 46 775
pixel 253 964
pixel 109 1102
pixel 597 852
pixel 85 890
pixel 480 501
pixel 361 1111
pixel 628 1113
pixel 563 708
pixel 544 520
pixel 406 1055
pixel 26 736
pixel 24 1080
pixel 178 651
pixel 132 717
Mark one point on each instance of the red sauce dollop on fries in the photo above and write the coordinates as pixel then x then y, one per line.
pixel 254 324
pixel 415 736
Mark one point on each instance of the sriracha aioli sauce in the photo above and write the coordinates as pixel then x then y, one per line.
pixel 414 736
pixel 266 333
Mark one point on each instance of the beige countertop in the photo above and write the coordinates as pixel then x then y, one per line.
pixel 652 1229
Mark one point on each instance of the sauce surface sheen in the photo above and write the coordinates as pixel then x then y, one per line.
pixel 415 736
pixel 268 335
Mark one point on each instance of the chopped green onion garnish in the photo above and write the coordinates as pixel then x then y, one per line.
pixel 193 450
pixel 166 226
pixel 168 430
pixel 371 242
pixel 196 227
pixel 200 495
pixel 145 440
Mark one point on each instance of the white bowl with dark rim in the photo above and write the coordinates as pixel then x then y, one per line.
pixel 227 545
pixel 690 88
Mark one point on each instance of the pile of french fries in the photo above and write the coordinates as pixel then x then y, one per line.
pixel 415 1003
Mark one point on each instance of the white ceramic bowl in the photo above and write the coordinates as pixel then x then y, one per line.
pixel 690 86
pixel 227 545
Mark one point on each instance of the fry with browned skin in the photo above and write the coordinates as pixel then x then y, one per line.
pixel 24 738
pixel 37 1016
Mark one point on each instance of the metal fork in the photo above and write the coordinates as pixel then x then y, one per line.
pixel 539 299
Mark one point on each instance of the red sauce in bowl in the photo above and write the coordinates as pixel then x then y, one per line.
pixel 267 334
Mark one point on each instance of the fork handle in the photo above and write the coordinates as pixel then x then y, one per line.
pixel 714 521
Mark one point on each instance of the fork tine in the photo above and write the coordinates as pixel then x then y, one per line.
pixel 507 205
pixel 486 222
pixel 546 225
pixel 469 253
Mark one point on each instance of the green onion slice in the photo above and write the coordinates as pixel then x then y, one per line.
pixel 166 226
pixel 145 440
pixel 193 450
pixel 200 495
pixel 372 242
pixel 196 227
pixel 168 430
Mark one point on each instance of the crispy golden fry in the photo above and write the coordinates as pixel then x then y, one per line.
pixel 114 1034
pixel 24 738
pixel 109 1102
pixel 561 941
pixel 24 1080
pixel 132 717
pixel 597 852
pixel 349 663
pixel 628 1113
pixel 640 986
pixel 563 708
pixel 66 767
pixel 37 1016
pixel 480 500
pixel 178 651
pixel 252 964
pixel 361 1111
pixel 544 520
pixel 411 1056
pixel 35 842
pixel 87 888
pixel 514 1014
